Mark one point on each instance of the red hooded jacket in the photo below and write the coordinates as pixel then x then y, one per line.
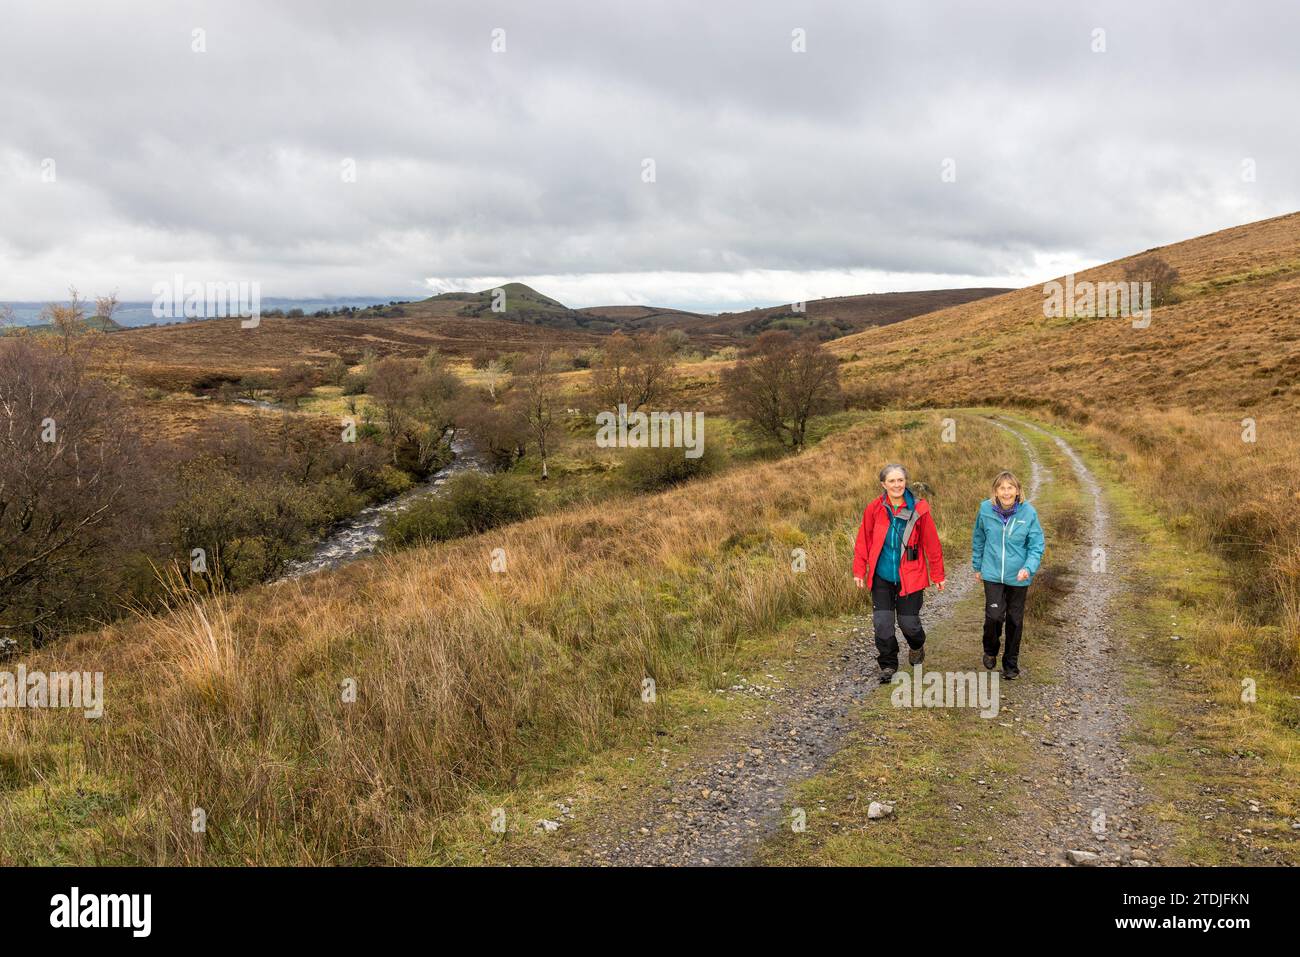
pixel 924 536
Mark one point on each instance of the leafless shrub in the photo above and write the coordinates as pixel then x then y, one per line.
pixel 67 454
pixel 780 383
pixel 634 371
pixel 1162 276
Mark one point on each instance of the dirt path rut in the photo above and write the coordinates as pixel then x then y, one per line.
pixel 1100 813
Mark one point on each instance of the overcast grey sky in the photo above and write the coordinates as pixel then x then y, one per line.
pixel 778 175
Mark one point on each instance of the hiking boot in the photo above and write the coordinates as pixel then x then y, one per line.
pixel 886 675
pixel 916 655
pixel 1010 674
pixel 990 662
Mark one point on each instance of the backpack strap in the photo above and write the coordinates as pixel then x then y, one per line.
pixel 912 519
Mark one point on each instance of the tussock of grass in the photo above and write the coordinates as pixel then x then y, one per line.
pixel 1051 584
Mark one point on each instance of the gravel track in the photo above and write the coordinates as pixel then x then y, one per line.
pixel 718 808
pixel 1101 811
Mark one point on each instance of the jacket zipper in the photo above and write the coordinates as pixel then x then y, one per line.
pixel 889 510
pixel 901 547
pixel 1002 576
pixel 1006 525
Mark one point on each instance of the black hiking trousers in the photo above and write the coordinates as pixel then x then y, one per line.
pixel 886 605
pixel 1004 605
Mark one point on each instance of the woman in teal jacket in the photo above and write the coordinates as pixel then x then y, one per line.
pixel 1006 550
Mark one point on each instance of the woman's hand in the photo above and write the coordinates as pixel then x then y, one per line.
pixel 859 583
pixel 979 577
pixel 1022 575
pixel 939 585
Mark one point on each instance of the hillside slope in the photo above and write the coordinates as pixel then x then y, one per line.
pixel 824 318
pixel 843 315
pixel 1232 342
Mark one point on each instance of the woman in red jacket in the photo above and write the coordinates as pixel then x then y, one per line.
pixel 896 543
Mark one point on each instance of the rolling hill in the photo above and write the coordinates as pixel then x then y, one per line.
pixel 1231 342
pixel 824 318
pixel 174 357
pixel 518 301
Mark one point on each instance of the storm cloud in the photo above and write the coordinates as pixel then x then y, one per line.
pixel 217 140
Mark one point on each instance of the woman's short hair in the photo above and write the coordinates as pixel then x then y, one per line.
pixel 1005 476
pixel 891 467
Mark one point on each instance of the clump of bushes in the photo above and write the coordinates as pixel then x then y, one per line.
pixel 248 529
pixel 377 483
pixel 470 503
pixel 355 383
pixel 650 469
pixel 335 372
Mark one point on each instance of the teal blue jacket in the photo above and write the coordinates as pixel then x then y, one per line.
pixel 998 551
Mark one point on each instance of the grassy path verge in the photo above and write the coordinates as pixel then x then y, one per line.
pixel 1217 776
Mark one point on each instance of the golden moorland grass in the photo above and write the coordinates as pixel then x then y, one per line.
pixel 173 357
pixel 464 678
pixel 1232 486
pixel 1232 343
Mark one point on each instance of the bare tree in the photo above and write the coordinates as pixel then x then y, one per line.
pixel 780 383
pixel 67 320
pixel 434 391
pixel 390 387
pixel 501 435
pixel 67 455
pixel 634 371
pixel 415 406
pixel 492 375
pixel 294 383
pixel 536 392
pixel 105 306
pixel 677 340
